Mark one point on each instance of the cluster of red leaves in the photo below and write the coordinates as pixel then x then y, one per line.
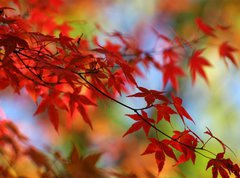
pixel 62 73
pixel 223 166
pixel 172 55
pixel 185 142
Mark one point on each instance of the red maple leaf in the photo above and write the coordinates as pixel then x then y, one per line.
pixel 150 95
pixel 116 81
pixel 184 143
pixel 160 148
pixel 49 102
pixel 77 102
pixel 223 166
pixel 206 29
pixel 170 73
pixel 127 71
pixel 196 63
pixel 164 111
pixel 225 51
pixel 177 102
pixel 142 122
pixel 170 55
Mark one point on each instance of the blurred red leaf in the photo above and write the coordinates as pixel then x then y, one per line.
pixel 226 50
pixel 170 73
pixel 79 166
pixel 170 55
pixel 197 63
pixel 206 29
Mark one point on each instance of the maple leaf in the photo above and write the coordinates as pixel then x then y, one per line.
pixel 117 82
pixel 142 122
pixel 79 166
pixel 206 29
pixel 160 159
pixel 177 102
pixel 79 99
pixel 170 72
pixel 223 166
pixel 164 111
pixel 186 143
pixel 170 54
pixel 225 51
pixel 128 70
pixel 150 95
pixel 78 102
pixel 49 102
pixel 160 148
pixel 196 63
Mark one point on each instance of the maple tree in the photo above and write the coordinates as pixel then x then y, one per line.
pixel 64 74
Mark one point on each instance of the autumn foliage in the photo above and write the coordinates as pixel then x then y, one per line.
pixel 67 75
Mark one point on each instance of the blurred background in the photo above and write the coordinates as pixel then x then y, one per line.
pixel 215 106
